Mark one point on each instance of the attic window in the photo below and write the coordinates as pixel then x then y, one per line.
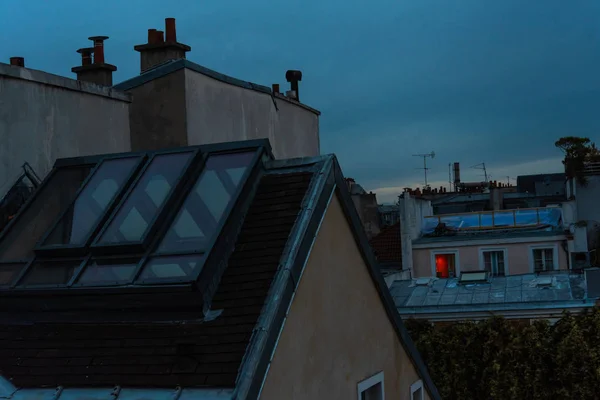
pixel 371 388
pixel 136 219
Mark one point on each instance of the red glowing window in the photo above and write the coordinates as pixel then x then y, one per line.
pixel 445 265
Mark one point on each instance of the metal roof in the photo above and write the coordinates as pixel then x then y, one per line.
pixel 499 293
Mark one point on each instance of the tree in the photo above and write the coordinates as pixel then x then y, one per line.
pixel 578 151
pixel 501 359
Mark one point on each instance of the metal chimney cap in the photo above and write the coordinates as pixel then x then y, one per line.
pixel 94 38
pixel 293 75
pixel 85 50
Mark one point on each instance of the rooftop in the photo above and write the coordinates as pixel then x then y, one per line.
pixel 515 292
pixel 387 246
pixel 166 269
pixel 176 65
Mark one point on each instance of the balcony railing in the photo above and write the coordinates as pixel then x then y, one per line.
pixel 487 220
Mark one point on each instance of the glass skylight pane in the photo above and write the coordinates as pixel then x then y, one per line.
pixel 171 267
pixel 204 208
pixel 145 201
pixel 8 273
pixel 50 201
pixel 50 273
pixel 89 207
pixel 108 272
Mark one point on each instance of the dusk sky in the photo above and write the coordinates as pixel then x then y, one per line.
pixel 473 80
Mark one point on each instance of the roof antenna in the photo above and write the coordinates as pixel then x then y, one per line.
pixel 432 155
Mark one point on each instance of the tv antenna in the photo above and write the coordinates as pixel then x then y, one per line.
pixel 432 155
pixel 482 166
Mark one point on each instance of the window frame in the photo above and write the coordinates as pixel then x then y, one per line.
pixel 548 246
pixel 99 249
pixel 368 383
pixel 456 253
pixel 68 250
pixel 483 250
pixel 416 386
pixel 17 282
pixel 253 166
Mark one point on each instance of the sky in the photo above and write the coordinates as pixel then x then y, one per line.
pixel 475 81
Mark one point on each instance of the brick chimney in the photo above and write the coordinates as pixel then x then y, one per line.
pixel 17 61
pixel 161 47
pixel 98 71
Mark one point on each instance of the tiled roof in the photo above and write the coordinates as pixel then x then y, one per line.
pixel 188 353
pixel 387 245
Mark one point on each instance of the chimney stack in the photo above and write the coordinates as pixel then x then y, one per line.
pixel 98 71
pixel 293 77
pixel 162 46
pixel 276 88
pixel 17 62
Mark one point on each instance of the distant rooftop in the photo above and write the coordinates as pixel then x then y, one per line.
pixel 516 292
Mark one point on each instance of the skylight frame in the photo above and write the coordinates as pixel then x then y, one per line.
pixel 254 166
pixel 17 282
pixel 67 250
pixel 99 249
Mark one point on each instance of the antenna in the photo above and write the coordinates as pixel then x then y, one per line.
pixel 482 166
pixel 450 177
pixel 508 178
pixel 432 155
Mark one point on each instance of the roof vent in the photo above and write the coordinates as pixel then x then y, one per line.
pixel 423 281
pixel 544 281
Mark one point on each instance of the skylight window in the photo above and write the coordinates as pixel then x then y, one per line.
pixel 142 205
pixel 108 272
pixel 206 203
pixel 78 223
pixel 50 273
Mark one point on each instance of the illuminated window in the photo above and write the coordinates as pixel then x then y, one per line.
pixel 445 265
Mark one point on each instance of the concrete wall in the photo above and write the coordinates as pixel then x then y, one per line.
pixel 518 257
pixel 158 113
pixel 44 117
pixel 349 337
pixel 412 212
pixel 222 112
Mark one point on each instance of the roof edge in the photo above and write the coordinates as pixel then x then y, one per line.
pixel 384 293
pixel 177 65
pixel 126 393
pixel 7 389
pixel 46 78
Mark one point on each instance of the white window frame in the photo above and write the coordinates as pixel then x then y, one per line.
pixel 369 383
pixel 553 247
pixel 434 253
pixel 416 386
pixel 488 249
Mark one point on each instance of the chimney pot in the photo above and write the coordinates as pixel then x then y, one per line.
pixel 86 55
pixel 170 31
pixel 276 88
pixel 17 61
pixel 151 36
pixel 98 48
pixel 294 76
pixel 160 37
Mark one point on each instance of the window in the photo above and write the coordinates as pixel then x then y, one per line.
pixel 445 265
pixel 78 223
pixel 416 391
pixel 108 272
pixel 543 259
pixel 372 388
pixel 144 202
pixel 493 262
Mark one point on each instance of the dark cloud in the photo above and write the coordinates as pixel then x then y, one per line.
pixel 474 80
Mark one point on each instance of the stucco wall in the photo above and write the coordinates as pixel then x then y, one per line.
pixel 221 112
pixel 158 112
pixel 337 332
pixel 517 261
pixel 44 117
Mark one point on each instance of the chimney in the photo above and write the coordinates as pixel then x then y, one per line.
pixel 162 46
pixel 17 62
pixel 293 77
pixel 276 88
pixel 98 71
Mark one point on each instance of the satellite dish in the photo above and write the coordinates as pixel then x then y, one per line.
pixel 433 154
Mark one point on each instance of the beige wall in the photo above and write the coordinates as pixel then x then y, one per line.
pixel 221 112
pixel 337 332
pixel 518 257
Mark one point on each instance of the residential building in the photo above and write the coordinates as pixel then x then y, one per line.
pixel 46 117
pixel 505 242
pixel 204 272
pixel 389 214
pixel 366 206
pixel 179 103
